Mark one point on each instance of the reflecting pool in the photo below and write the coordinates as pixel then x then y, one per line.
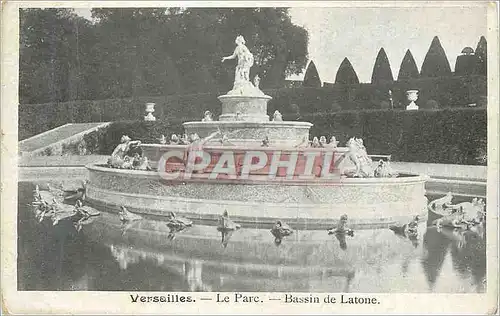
pixel 106 257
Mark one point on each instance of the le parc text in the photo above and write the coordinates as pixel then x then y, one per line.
pixel 238 298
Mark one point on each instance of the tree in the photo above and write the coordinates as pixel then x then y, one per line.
pixel 435 63
pixel 279 46
pixel 130 52
pixel 482 57
pixel 465 65
pixel 53 48
pixel 408 68
pixel 382 69
pixel 346 73
pixel 311 77
pixel 196 39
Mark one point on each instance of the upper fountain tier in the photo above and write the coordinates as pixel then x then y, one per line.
pixel 244 119
pixel 246 102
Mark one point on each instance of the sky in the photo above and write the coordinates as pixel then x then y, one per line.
pixel 359 33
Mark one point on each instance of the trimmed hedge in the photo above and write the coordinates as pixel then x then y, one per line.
pixel 37 118
pixel 449 92
pixel 446 91
pixel 451 136
pixel 104 141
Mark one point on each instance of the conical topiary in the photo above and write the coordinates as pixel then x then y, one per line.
pixel 481 57
pixel 382 69
pixel 408 68
pixel 346 73
pixel 311 78
pixel 435 63
pixel 465 65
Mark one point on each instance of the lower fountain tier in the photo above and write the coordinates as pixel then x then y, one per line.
pixel 283 133
pixel 323 158
pixel 373 201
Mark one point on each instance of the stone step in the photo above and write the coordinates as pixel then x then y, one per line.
pixel 55 138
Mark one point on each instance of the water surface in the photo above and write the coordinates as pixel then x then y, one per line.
pixel 100 258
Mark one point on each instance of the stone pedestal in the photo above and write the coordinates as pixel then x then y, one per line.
pixel 244 108
pixel 245 122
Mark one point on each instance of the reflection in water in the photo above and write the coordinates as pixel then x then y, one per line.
pixel 205 275
pixel 226 227
pixel 467 249
pixel 126 226
pixel 342 241
pixel 466 252
pixel 193 274
pixel 189 271
pixel 59 258
pixel 414 240
pixel 435 250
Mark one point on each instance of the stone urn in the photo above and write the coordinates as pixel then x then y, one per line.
pixel 150 108
pixel 412 96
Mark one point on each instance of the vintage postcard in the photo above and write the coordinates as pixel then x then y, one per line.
pixel 249 157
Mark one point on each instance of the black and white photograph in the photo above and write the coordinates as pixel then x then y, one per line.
pixel 285 158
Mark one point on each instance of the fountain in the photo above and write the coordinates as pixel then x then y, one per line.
pixel 248 203
pixel 258 171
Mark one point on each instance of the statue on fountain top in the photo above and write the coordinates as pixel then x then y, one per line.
pixel 315 142
pixel 162 140
pixel 384 170
pixel 333 142
pixel 322 141
pixel 242 84
pixel 207 117
pixel 184 140
pixel 125 144
pixel 358 155
pixel 174 140
pixel 277 117
pixel 256 81
pixel 119 158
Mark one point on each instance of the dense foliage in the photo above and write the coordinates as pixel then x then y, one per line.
pixel 346 73
pixel 382 68
pixel 443 92
pixel 482 57
pixel 465 65
pixel 311 77
pixel 55 47
pixel 104 141
pixel 408 68
pixel 133 52
pixel 435 62
pixel 452 136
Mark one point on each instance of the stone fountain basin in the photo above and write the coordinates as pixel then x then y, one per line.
pixel 315 204
pixel 244 133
